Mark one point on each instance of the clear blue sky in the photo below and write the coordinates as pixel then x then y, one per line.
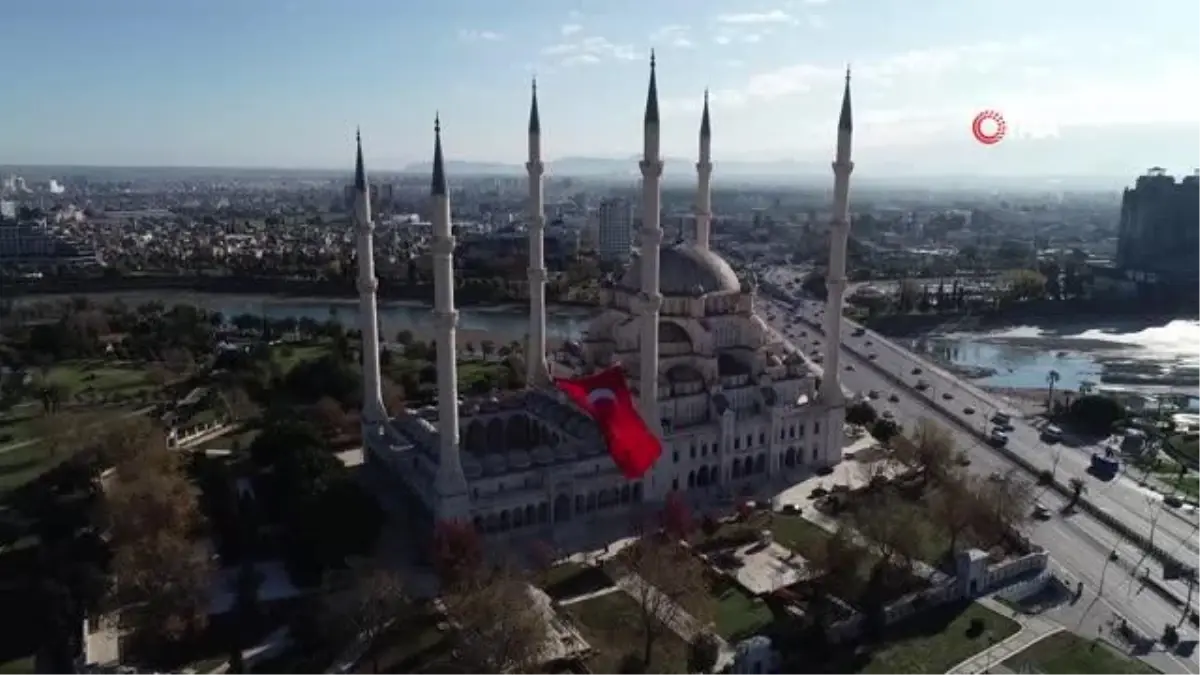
pixel 284 82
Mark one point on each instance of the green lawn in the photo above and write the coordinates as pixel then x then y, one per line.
pixel 611 624
pixel 570 579
pixel 100 377
pixel 1069 653
pixel 1185 446
pixel 288 356
pixel 938 639
pixel 22 464
pixel 738 615
pixel 404 648
pixel 22 665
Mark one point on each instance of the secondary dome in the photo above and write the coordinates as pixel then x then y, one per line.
pixel 685 270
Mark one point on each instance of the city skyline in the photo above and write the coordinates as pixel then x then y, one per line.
pixel 226 84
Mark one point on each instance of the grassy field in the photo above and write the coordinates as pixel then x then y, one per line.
pixel 738 615
pixel 288 356
pixel 938 640
pixel 611 624
pixel 19 465
pixel 1068 653
pixel 100 377
pixel 22 665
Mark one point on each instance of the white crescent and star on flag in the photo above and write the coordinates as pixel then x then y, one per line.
pixel 601 395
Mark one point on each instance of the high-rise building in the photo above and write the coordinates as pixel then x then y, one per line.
pixel 615 229
pixel 1157 237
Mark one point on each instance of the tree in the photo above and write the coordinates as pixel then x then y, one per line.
pixel 330 417
pixel 1052 379
pixel 1078 488
pixel 457 552
pixel 499 626
pixel 378 599
pixel 152 514
pixel 953 507
pixel 1095 413
pixel 677 517
pixel 930 451
pixel 58 432
pixel 666 578
pixel 833 565
pixel 1001 508
pixel 884 430
pixel 862 414
pixel 703 652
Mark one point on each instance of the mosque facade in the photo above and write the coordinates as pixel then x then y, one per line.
pixel 736 408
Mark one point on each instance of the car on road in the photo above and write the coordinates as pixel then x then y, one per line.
pixel 1173 501
pixel 1051 434
pixel 1041 512
pixel 868 343
pixel 859 332
pixel 968 410
pixel 818 359
pixel 947 395
pixel 849 366
pixel 872 394
pixel 916 371
pixel 894 398
pixel 1002 420
pixel 922 385
pixel 996 477
pixel 872 356
pixel 998 437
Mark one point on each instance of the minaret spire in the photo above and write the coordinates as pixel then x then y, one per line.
pixel 536 371
pixel 373 411
pixel 704 182
pixel 453 501
pixel 835 283
pixel 650 299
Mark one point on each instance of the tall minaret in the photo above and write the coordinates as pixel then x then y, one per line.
pixel 451 483
pixel 650 299
pixel 704 184
pixel 835 282
pixel 536 372
pixel 368 316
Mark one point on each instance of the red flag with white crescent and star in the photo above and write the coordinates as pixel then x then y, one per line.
pixel 606 397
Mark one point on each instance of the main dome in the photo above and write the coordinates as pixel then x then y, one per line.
pixel 685 270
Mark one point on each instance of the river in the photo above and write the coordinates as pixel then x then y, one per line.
pixel 500 324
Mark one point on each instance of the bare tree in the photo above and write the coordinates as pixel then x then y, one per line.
pixel 889 531
pixel 134 445
pixel 1002 508
pixel 499 627
pixel 953 507
pixel 378 599
pixel 872 472
pixel 152 515
pixel 58 432
pixel 832 566
pixel 929 451
pixel 667 581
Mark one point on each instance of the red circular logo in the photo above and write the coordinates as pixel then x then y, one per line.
pixel 989 127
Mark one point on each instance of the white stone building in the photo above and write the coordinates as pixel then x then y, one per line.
pixel 735 409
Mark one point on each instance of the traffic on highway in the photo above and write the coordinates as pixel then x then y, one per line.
pixel 906 388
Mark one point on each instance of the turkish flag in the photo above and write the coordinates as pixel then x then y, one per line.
pixel 606 397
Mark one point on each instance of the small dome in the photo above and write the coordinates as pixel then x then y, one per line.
pixel 543 455
pixel 565 453
pixel 685 271
pixel 494 464
pixel 518 459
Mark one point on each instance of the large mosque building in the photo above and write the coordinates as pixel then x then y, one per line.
pixel 736 409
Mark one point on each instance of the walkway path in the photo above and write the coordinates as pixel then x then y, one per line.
pixel 1033 629
pixel 678 619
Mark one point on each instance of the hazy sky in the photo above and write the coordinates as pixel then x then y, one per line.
pixel 284 82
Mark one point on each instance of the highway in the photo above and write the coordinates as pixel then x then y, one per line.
pixel 1080 546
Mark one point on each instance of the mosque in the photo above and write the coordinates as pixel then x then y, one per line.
pixel 736 409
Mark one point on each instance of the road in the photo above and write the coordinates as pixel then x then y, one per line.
pixel 1079 544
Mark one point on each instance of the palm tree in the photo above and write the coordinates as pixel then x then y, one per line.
pixel 1078 487
pixel 1052 379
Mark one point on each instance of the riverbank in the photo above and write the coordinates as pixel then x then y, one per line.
pixel 291 290
pixel 1053 318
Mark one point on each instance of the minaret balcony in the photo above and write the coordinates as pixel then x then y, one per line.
pixel 442 246
pixel 651 168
